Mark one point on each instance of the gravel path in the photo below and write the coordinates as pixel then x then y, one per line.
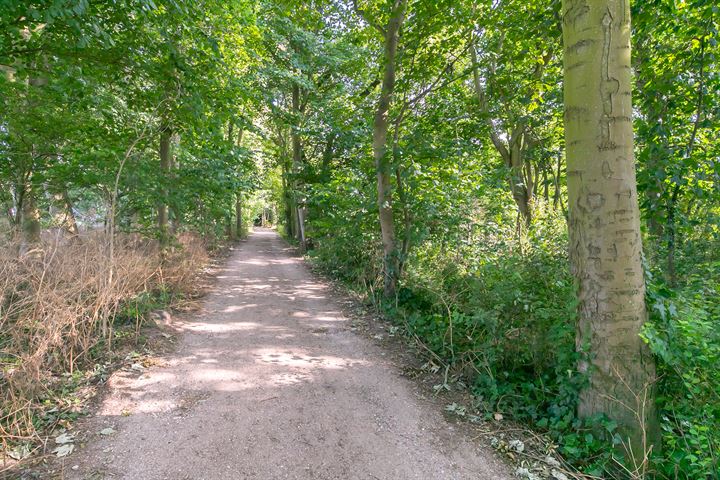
pixel 269 382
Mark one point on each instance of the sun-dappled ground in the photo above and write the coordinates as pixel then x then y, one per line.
pixel 269 381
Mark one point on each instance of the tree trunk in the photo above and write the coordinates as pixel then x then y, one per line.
pixel 512 154
pixel 604 221
pixel 231 125
pixel 165 163
pixel 63 215
pixel 239 228
pixel 238 215
pixel 297 160
pixel 174 212
pixel 287 196
pixel 518 186
pixel 382 163
pixel 520 179
pixel 30 218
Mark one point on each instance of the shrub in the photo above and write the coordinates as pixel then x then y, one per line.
pixel 683 335
pixel 505 320
pixel 499 309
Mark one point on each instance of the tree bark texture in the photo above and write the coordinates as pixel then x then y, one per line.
pixel 604 220
pixel 287 197
pixel 238 215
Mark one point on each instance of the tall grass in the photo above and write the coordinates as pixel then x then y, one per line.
pixel 58 304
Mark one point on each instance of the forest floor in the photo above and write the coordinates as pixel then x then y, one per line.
pixel 271 380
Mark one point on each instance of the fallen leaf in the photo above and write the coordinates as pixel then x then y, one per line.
pixel 558 475
pixel 107 431
pixel 64 438
pixel 498 416
pixel 551 461
pixel 517 445
pixel 64 450
pixel 20 452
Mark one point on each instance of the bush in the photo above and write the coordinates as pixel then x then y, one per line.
pixel 504 319
pixel 499 309
pixel 684 336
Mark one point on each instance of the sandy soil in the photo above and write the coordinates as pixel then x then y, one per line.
pixel 269 382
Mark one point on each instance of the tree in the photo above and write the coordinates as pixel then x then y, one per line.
pixel 165 162
pixel 604 220
pixel 383 168
pixel 515 63
pixel 676 146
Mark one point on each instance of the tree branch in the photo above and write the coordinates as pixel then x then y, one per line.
pixel 480 93
pixel 361 12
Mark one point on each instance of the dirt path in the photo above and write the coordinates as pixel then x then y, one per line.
pixel 269 382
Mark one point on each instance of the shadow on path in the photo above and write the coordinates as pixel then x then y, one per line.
pixel 270 383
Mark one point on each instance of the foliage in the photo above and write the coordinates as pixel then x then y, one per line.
pixel 148 67
pixel 683 335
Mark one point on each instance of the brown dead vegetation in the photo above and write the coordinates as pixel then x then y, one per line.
pixel 58 308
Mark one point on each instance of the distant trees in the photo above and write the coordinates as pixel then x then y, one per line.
pixel 81 83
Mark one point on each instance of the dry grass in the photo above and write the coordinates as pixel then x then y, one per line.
pixel 59 301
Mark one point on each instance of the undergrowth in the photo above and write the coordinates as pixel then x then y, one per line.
pixel 63 309
pixel 499 310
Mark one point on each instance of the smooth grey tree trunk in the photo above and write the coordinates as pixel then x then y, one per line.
pixel 604 221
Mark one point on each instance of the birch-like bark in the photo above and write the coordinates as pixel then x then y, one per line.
pixel 604 220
